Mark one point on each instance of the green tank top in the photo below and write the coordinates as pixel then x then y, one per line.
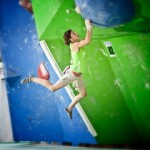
pixel 75 60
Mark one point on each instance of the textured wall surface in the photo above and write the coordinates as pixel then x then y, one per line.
pixel 118 85
pixel 36 113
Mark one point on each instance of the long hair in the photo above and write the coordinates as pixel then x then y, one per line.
pixel 67 36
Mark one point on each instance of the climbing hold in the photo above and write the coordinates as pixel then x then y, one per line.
pixel 43 72
pixel 106 13
pixel 68 11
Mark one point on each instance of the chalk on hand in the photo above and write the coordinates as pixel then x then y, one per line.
pixel 88 24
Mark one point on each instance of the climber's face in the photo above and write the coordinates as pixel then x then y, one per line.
pixel 74 37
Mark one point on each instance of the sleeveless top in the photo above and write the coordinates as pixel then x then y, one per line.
pixel 75 60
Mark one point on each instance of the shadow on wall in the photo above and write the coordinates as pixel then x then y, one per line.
pixel 140 22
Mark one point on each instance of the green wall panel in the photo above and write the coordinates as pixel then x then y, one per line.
pixel 44 11
pixel 131 67
pixel 52 20
pixel 118 87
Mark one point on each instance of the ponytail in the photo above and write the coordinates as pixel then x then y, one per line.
pixel 67 36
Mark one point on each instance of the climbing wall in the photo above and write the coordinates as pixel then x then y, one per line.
pixel 115 68
pixel 36 113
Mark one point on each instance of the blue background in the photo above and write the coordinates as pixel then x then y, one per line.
pixel 37 114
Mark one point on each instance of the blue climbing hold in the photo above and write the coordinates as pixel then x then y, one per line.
pixel 107 13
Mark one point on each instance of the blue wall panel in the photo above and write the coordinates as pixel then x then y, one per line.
pixel 37 114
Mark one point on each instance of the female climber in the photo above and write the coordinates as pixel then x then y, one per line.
pixel 73 73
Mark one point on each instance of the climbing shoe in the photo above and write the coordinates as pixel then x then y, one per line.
pixel 26 80
pixel 69 112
